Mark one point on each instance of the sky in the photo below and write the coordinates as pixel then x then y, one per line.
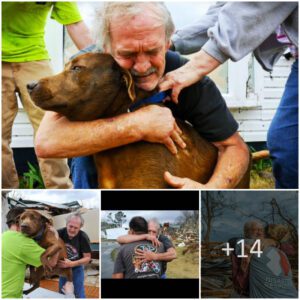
pixel 162 216
pixel 87 198
pixel 230 223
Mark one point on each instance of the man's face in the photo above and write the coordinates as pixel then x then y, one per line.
pixel 256 231
pixel 152 229
pixel 139 45
pixel 73 227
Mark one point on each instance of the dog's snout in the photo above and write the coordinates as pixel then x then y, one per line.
pixel 31 86
pixel 24 225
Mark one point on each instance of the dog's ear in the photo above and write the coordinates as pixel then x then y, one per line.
pixel 129 84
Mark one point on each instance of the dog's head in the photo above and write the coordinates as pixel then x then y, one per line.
pixel 31 222
pixel 91 86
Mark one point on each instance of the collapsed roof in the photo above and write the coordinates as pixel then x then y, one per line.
pixel 53 208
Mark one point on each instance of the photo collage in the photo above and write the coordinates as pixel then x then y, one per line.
pixel 149 140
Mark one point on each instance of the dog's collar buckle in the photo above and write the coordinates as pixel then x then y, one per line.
pixel 156 98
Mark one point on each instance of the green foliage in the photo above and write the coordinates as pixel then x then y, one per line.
pixel 32 179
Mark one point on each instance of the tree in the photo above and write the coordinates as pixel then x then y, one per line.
pixel 213 205
pixel 117 219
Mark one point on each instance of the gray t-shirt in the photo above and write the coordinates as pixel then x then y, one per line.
pixel 133 267
pixel 270 275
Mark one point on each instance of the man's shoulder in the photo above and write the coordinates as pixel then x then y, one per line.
pixel 15 238
pixel 84 235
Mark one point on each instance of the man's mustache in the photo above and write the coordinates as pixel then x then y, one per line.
pixel 147 73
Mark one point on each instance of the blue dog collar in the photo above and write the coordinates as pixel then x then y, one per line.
pixel 157 98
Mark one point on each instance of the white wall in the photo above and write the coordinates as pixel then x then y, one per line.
pixel 254 122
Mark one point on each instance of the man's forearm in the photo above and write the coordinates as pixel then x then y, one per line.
pixel 130 238
pixel 233 162
pixel 58 137
pixel 80 35
pixel 166 256
pixel 81 262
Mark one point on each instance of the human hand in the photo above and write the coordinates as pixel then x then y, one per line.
pixel 66 263
pixel 157 125
pixel 200 65
pixel 155 242
pixel 145 255
pixel 182 183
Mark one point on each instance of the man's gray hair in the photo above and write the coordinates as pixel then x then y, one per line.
pixel 75 215
pixel 156 222
pixel 110 10
pixel 249 224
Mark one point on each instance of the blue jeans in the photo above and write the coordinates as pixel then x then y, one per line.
pixel 78 282
pixel 282 138
pixel 84 173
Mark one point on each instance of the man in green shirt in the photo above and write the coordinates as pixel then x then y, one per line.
pixel 26 59
pixel 18 251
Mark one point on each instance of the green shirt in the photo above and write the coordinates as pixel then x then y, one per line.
pixel 17 252
pixel 23 27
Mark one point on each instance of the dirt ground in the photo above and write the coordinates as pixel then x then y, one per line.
pixel 184 266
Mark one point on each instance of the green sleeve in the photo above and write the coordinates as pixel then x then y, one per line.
pixel 31 253
pixel 66 13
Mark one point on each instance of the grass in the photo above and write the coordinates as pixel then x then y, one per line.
pixel 32 179
pixel 184 266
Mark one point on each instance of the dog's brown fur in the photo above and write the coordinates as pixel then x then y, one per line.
pixel 33 223
pixel 92 86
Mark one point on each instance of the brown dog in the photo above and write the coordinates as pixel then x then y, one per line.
pixel 39 226
pixel 93 86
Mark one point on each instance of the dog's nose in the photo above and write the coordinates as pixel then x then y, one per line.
pixel 31 86
pixel 24 226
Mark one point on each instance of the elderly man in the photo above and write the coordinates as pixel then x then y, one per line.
pixel 79 252
pixel 154 235
pixel 137 35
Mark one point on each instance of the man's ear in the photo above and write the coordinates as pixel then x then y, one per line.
pixel 129 84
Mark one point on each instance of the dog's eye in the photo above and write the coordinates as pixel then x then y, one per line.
pixel 76 68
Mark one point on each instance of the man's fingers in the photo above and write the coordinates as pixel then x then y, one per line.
pixel 173 181
pixel 178 139
pixel 171 145
pixel 175 93
pixel 165 84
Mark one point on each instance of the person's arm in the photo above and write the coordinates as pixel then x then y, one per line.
pixel 240 275
pixel 66 263
pixel 190 38
pixel 80 35
pixel 57 137
pixel 118 276
pixel 131 238
pixel 232 164
pixel 168 256
pixel 119 266
pixel 227 39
